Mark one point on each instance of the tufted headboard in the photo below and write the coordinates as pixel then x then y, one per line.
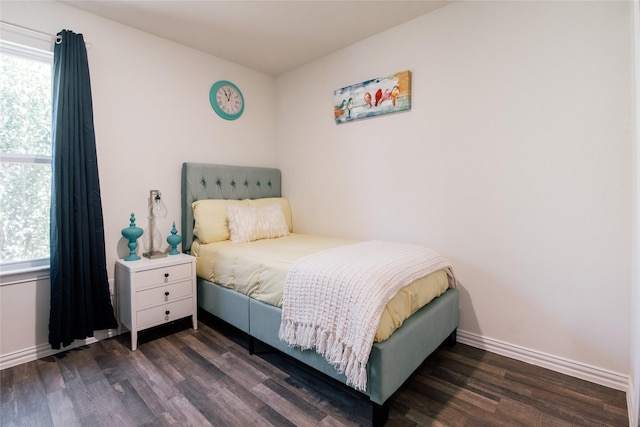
pixel 210 181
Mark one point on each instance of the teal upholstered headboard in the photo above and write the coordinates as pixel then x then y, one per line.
pixel 210 181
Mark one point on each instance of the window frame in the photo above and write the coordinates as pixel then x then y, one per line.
pixel 24 49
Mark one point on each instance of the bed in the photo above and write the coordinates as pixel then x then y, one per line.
pixel 390 362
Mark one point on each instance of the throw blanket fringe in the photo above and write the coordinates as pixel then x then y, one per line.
pixel 333 299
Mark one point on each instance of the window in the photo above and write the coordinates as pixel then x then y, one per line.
pixel 25 156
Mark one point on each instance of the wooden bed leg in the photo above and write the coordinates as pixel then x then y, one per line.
pixel 452 339
pixel 379 414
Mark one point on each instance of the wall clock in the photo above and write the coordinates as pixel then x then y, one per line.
pixel 226 100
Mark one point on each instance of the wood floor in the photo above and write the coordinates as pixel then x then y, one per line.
pixel 182 377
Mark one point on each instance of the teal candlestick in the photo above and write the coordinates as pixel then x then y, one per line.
pixel 132 234
pixel 174 240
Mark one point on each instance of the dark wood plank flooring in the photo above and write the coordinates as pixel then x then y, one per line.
pixel 181 377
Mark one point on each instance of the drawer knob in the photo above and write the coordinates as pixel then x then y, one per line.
pixel 167 312
pixel 166 294
pixel 166 274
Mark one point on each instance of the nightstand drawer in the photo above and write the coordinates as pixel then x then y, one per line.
pixel 161 275
pixel 164 313
pixel 163 294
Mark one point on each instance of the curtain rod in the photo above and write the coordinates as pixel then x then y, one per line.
pixel 40 33
pixel 30 30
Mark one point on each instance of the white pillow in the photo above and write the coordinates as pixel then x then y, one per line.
pixel 283 202
pixel 249 223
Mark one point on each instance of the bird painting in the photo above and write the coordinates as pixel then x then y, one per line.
pixel 370 97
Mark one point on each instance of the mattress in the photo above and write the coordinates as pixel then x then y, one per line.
pixel 259 268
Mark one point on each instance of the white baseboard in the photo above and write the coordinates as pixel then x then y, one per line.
pixel 44 350
pixel 575 369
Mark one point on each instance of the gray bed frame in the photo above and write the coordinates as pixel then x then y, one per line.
pixel 391 362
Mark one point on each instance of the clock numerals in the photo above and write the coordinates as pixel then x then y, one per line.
pixel 228 99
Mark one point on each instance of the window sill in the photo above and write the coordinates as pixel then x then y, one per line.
pixel 27 274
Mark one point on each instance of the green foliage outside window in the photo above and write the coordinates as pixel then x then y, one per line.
pixel 25 159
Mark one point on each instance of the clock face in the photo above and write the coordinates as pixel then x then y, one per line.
pixel 226 100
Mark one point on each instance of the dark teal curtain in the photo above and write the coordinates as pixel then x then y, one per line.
pixel 80 301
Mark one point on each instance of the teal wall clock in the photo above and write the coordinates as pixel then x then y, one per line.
pixel 226 100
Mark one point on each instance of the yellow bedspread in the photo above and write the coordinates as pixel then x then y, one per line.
pixel 258 269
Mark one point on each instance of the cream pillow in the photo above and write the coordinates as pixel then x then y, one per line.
pixel 249 223
pixel 210 217
pixel 282 202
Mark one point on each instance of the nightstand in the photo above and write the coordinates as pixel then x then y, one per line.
pixel 155 291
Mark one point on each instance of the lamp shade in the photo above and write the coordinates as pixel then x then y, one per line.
pixel 157 209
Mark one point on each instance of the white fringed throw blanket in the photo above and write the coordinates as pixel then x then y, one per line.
pixel 333 299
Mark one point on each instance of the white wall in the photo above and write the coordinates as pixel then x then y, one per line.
pixel 515 162
pixel 152 112
pixel 633 397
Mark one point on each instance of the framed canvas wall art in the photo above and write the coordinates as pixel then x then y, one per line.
pixel 382 95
